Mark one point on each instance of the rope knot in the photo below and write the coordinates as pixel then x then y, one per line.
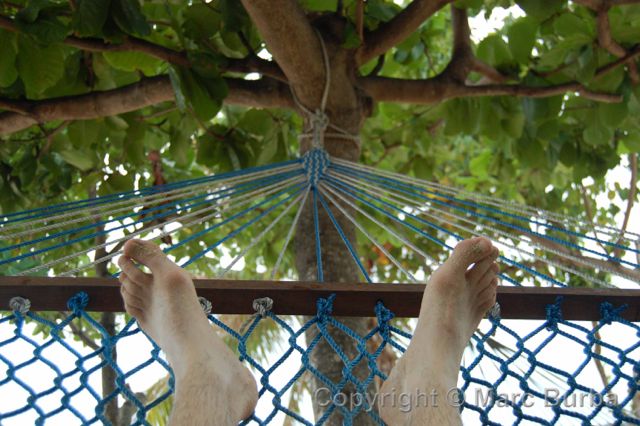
pixel 315 163
pixel 609 313
pixel 206 305
pixel 20 304
pixel 78 302
pixel 554 313
pixel 325 306
pixel 384 315
pixel 494 312
pixel 262 306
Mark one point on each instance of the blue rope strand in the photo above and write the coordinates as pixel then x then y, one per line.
pixel 525 230
pixel 300 187
pixel 347 170
pixel 65 207
pixel 352 251
pixel 316 226
pixel 178 205
pixel 337 185
pixel 106 231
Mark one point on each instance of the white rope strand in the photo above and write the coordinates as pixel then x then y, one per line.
pixel 426 256
pixel 290 234
pixel 492 200
pixel 247 198
pixel 92 211
pixel 366 234
pixel 257 238
pixel 400 199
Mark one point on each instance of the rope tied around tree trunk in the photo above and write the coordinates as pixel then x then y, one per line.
pixel 318 118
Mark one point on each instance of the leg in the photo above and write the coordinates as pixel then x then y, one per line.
pixel 455 300
pixel 212 386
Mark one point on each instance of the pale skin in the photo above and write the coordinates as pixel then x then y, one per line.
pixel 214 388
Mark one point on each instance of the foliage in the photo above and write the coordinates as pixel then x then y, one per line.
pixel 536 151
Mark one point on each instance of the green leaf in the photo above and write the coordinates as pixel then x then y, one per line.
pixel 632 140
pixel 320 5
pixel 80 159
pixel 8 53
pixel 134 142
pixel 176 84
pixel 83 133
pixel 209 150
pixel 201 21
pixel 129 17
pixel 351 37
pixel 558 53
pixel 569 24
pixel 46 30
pixel 597 134
pixel 612 114
pixel 494 51
pixel 234 17
pixel 39 67
pixel 118 183
pixel 32 10
pixel 479 166
pixel 522 38
pixel 180 147
pixel 89 16
pixel 540 9
pixel 268 151
pixel 205 95
pixel 256 121
pixel 133 61
pixel 539 110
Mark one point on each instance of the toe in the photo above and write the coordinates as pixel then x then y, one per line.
pixel 133 311
pixel 132 271
pixel 133 288
pixel 487 278
pixel 146 253
pixel 468 252
pixel 479 269
pixel 131 296
pixel 487 297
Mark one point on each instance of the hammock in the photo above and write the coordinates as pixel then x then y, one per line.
pixel 506 371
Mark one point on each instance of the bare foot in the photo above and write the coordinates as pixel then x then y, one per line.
pixel 454 302
pixel 167 309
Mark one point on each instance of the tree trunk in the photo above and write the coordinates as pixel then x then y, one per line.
pixel 346 108
pixel 108 322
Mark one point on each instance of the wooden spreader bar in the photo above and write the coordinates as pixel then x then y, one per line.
pixel 299 298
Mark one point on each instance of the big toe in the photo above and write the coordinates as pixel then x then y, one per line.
pixel 470 251
pixel 146 253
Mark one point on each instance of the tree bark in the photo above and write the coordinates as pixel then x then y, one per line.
pixel 346 109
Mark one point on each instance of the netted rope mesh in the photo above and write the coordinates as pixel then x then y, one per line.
pixel 508 368
pixel 495 383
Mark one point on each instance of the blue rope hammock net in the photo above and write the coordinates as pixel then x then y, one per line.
pixel 511 371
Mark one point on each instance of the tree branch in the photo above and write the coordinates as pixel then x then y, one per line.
pixel 441 88
pixel 292 42
pixel 606 41
pixel 263 93
pixel 150 91
pixel 397 29
pixel 129 44
pixel 629 57
pixel 251 63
